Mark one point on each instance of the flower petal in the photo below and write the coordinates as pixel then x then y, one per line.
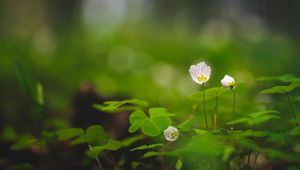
pixel 194 71
pixel 171 133
pixel 228 81
pixel 200 73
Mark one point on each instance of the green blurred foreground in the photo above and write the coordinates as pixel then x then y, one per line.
pixel 85 92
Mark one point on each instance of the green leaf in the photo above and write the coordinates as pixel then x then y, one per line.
pixel 228 151
pixel 129 101
pixel 111 145
pixel 288 78
pixel 157 111
pixel 282 89
pixel 138 102
pixel 295 131
pixel 262 113
pixel 150 128
pixel 251 133
pixel 155 125
pixel 143 147
pixel 262 119
pixel 277 89
pixel 113 106
pixel 246 143
pixel 185 125
pixel 151 154
pixel 80 140
pixel 31 87
pixel 200 131
pixel 103 107
pixel 238 121
pixel 136 120
pixel 9 134
pixel 25 79
pixel 277 137
pixel 39 94
pixel 178 165
pixel 162 122
pixel 95 151
pixel 295 120
pixel 130 140
pixel 49 134
pixel 66 134
pixel 95 135
pixel 135 164
pixel 221 131
pixel 294 85
pixel 23 142
pixel 256 118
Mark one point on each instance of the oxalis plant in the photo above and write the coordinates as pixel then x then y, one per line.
pixel 242 138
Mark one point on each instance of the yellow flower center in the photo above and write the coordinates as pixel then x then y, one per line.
pixel 173 134
pixel 202 77
pixel 231 84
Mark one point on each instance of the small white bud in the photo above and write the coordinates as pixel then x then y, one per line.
pixel 228 82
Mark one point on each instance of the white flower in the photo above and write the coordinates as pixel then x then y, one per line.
pixel 171 133
pixel 228 82
pixel 200 73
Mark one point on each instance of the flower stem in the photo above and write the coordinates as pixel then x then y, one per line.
pixel 97 159
pixel 216 112
pixel 292 105
pixel 233 108
pixel 204 110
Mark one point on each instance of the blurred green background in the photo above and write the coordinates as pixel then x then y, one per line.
pixel 139 48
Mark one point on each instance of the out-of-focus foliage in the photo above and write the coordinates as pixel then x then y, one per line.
pixel 54 52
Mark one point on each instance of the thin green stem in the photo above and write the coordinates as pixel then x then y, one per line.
pixel 97 159
pixel 216 112
pixel 292 105
pixel 204 110
pixel 233 107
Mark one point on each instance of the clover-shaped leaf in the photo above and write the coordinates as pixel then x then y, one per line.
pixel 158 120
pixel 150 128
pixel 136 120
pixel 95 135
